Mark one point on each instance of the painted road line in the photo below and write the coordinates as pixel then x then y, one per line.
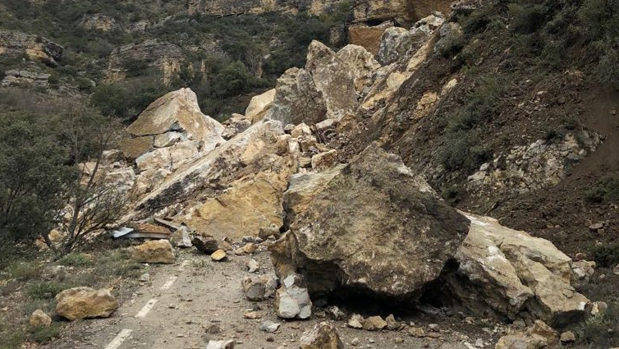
pixel 118 341
pixel 147 307
pixel 168 283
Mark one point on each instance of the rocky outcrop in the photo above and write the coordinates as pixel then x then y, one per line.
pixel 227 8
pixel 155 251
pixel 368 37
pixel 84 303
pixel 297 99
pixel 396 42
pixel 359 226
pixel 400 11
pixel 15 77
pixel 34 47
pixel 162 56
pixel 509 272
pixel 361 64
pixel 99 22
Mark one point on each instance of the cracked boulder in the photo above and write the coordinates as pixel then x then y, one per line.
pixel 84 303
pixel 509 271
pixel 370 227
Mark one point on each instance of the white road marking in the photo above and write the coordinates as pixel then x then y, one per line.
pixel 118 341
pixel 146 308
pixel 168 283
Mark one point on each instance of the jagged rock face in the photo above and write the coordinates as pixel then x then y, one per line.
pixel 248 152
pixel 235 7
pixel 259 105
pixel 164 56
pixel 84 303
pixel 34 47
pixel 396 42
pixel 366 36
pixel 333 78
pixel 362 65
pixel 15 77
pixel 177 111
pixel 372 226
pixel 297 99
pixel 510 271
pixel 251 203
pixel 98 21
pixel 403 12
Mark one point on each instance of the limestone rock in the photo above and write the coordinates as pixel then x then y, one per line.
pixel 361 63
pixel 255 288
pixel 392 324
pixel 582 271
pixel 236 124
pixel 39 318
pixel 567 337
pixel 250 204
pixel 374 323
pixel 224 344
pixel 219 255
pixel 292 300
pixel 180 238
pixel 391 45
pixel 322 336
pixel 538 336
pixel 356 321
pixel 253 266
pixel 259 105
pixel 178 111
pixel 155 251
pixel 360 225
pixel 85 302
pixel 297 99
pixel 133 148
pixel 324 160
pixel 269 326
pixel 33 47
pixel 509 271
pixel 216 169
pixel 367 37
pixel 333 78
pixel 205 243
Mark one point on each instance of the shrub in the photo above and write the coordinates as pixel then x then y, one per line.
pixel 601 331
pixel 607 189
pixel 23 270
pixel 460 152
pixel 76 260
pixel 44 334
pixel 606 256
pixel 45 290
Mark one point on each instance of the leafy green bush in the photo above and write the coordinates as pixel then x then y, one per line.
pixel 606 256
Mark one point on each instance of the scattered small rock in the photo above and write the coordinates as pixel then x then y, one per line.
pixel 322 336
pixel 374 323
pixel 219 255
pixel 335 313
pixel 392 324
pixel 253 266
pixel 354 342
pixel 568 337
pixel 292 300
pixel 205 243
pixel 253 315
pixel 225 344
pixel 356 321
pixel 145 277
pixel 39 318
pixel 255 288
pixel 416 332
pixel 269 326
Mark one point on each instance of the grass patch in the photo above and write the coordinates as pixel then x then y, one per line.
pixel 24 270
pixel 76 260
pixel 45 290
pixel 601 331
pixel 606 190
pixel 43 334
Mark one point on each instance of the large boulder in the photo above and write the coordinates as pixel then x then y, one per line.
pixel 85 302
pixel 366 36
pixel 509 271
pixel 297 99
pixel 178 111
pixel 246 153
pixel 361 64
pixel 371 226
pixel 251 203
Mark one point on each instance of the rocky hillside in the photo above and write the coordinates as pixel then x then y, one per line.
pixel 460 164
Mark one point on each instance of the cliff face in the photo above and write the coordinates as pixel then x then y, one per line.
pixel 227 8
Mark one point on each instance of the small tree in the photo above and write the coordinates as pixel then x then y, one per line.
pixel 92 204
